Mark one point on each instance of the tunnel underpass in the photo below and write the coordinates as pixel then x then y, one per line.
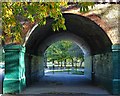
pixel 91 38
pixel 93 41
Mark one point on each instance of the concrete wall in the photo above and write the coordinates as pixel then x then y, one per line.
pixel 88 66
pixel 37 67
pixel 34 68
pixel 102 68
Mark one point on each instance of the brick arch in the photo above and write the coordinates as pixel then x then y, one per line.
pixel 79 25
pixel 97 19
pixel 98 36
pixel 101 15
pixel 104 15
pixel 29 27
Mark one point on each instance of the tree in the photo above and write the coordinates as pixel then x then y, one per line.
pixel 59 51
pixel 76 53
pixel 16 14
pixel 64 51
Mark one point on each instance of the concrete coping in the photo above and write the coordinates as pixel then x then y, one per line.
pixel 14 47
pixel 116 47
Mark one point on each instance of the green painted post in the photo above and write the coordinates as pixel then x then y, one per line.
pixel 14 80
pixel 116 69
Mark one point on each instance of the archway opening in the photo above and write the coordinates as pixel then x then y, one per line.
pixel 64 57
pixel 66 75
pixel 37 62
pixel 92 40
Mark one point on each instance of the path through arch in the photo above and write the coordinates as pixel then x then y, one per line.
pixel 91 38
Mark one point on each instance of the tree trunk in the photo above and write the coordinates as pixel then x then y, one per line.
pixel 65 63
pixel 58 64
pixel 61 64
pixel 72 62
pixel 45 60
pixel 81 62
pixel 53 61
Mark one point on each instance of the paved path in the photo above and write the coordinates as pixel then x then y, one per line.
pixel 63 85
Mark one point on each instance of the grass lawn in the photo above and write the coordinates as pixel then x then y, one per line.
pixel 70 71
pixel 78 72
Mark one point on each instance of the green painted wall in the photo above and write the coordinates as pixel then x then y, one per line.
pixel 1 54
pixel 14 80
pixel 116 68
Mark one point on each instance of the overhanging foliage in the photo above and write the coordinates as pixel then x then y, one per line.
pixel 16 14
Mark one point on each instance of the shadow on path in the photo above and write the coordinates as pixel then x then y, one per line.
pixel 63 84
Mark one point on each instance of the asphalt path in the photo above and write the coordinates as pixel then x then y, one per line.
pixel 64 84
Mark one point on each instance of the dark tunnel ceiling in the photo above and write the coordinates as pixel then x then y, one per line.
pixel 81 26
